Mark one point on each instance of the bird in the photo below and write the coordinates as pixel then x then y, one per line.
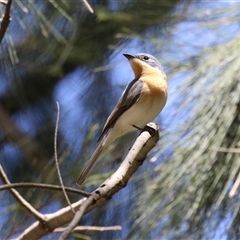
pixel 140 103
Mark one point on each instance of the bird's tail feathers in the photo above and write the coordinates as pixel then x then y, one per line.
pixel 89 165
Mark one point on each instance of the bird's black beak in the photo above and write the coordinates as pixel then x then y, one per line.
pixel 128 56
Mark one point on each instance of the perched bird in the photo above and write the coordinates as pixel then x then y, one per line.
pixel 141 102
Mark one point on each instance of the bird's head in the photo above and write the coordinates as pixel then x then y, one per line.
pixel 143 63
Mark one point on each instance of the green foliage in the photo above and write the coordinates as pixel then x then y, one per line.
pixel 185 196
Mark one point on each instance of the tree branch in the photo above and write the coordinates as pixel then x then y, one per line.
pixel 235 187
pixel 20 199
pixel 56 156
pixel 88 6
pixel 43 186
pixel 137 154
pixel 92 228
pixel 120 178
pixel 5 19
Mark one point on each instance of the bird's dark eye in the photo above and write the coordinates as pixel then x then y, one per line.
pixel 145 58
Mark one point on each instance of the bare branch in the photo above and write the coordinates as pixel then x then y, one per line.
pixel 88 6
pixel 227 150
pixel 5 19
pixel 52 221
pixel 235 187
pixel 20 199
pixel 144 143
pixel 119 179
pixel 43 186
pixel 92 228
pixel 56 157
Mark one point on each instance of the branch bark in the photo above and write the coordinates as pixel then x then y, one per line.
pixel 42 186
pixel 26 205
pixel 136 156
pixel 5 19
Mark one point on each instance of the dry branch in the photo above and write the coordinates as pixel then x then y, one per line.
pixel 30 209
pixel 43 186
pixel 5 19
pixel 137 154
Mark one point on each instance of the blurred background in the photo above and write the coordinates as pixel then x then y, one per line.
pixel 59 50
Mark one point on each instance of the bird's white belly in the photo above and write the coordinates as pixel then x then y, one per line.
pixel 141 113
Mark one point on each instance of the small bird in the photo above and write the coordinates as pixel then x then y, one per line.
pixel 141 102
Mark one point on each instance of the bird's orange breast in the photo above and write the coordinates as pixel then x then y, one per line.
pixel 156 84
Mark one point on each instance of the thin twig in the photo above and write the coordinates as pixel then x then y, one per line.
pixel 56 157
pixel 227 150
pixel 5 19
pixel 43 186
pixel 20 199
pixel 235 187
pixel 88 6
pixel 92 228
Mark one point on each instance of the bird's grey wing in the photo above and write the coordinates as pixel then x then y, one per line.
pixel 131 94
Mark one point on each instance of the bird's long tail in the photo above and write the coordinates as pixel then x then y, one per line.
pixel 90 164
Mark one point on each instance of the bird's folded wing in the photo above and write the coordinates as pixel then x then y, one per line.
pixel 131 95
